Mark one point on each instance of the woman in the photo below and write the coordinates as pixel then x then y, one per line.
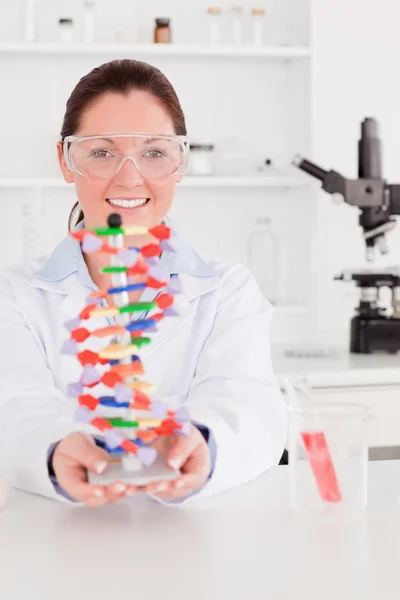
pixel 214 357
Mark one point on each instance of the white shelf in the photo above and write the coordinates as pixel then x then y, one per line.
pixel 256 181
pixel 134 50
pixel 32 182
pixel 252 181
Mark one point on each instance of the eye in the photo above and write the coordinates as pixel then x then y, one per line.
pixel 101 153
pixel 154 153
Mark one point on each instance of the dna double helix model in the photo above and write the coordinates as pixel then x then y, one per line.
pixel 110 394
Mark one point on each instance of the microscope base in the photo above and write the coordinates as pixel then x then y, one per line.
pixel 379 334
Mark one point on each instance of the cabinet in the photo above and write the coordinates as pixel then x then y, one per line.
pixel 260 95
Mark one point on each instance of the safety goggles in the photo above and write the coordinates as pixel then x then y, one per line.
pixel 103 156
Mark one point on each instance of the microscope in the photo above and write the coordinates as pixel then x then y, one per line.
pixel 373 328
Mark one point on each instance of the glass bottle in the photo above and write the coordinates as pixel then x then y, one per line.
pixel 66 27
pixel 162 31
pixel 258 15
pixel 263 258
pixel 88 25
pixel 29 21
pixel 214 25
pixel 237 24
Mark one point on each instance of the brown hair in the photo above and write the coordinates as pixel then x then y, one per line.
pixel 120 77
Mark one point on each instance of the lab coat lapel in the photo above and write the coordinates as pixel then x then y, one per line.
pixel 74 298
pixel 73 295
pixel 192 288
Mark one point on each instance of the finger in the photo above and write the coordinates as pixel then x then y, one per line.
pixel 73 479
pixel 132 490
pixel 157 487
pixel 183 447
pixel 194 472
pixel 94 502
pixel 81 449
pixel 173 494
pixel 70 460
pixel 197 467
pixel 116 491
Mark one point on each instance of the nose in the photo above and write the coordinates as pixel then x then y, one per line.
pixel 128 175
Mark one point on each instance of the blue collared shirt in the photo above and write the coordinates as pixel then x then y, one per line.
pixel 67 258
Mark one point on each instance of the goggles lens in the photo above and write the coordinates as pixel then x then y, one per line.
pixel 102 157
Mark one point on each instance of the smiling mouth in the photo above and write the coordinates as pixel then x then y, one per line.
pixel 124 203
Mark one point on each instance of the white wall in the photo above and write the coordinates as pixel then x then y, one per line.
pixel 355 74
pixel 266 103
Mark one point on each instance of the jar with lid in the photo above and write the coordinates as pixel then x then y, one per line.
pixel 162 31
pixel 258 16
pixel 201 160
pixel 214 25
pixel 66 27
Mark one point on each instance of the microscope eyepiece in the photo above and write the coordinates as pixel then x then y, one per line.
pixel 308 167
pixel 369 128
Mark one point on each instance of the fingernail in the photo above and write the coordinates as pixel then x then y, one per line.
pixel 180 484
pixel 162 487
pixel 100 467
pixel 119 487
pixel 175 463
pixel 98 493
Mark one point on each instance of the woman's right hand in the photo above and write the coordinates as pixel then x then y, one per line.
pixel 72 457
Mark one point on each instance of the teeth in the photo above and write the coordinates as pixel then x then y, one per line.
pixel 127 203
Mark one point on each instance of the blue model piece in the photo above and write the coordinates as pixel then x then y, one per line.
pixel 140 325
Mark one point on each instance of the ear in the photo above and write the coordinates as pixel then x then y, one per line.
pixel 68 175
pixel 179 177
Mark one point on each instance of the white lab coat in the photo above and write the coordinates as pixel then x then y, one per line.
pixel 214 357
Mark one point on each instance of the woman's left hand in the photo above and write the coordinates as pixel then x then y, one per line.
pixel 191 455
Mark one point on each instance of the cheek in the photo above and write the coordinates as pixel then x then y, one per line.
pixel 162 191
pixel 90 192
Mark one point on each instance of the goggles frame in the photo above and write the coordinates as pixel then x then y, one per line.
pixel 70 141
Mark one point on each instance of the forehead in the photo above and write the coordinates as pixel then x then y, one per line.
pixel 137 112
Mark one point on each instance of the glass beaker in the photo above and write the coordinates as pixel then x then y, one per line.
pixel 328 455
pixel 262 251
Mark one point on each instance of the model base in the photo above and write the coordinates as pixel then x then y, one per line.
pixel 158 471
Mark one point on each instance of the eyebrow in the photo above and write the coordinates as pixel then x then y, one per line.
pixel 105 139
pixel 149 140
pixel 156 139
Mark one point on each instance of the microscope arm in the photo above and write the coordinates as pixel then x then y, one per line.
pixel 377 201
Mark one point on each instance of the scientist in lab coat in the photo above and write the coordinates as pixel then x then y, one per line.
pixel 123 146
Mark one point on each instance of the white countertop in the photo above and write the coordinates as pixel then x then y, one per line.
pixel 340 368
pixel 243 544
